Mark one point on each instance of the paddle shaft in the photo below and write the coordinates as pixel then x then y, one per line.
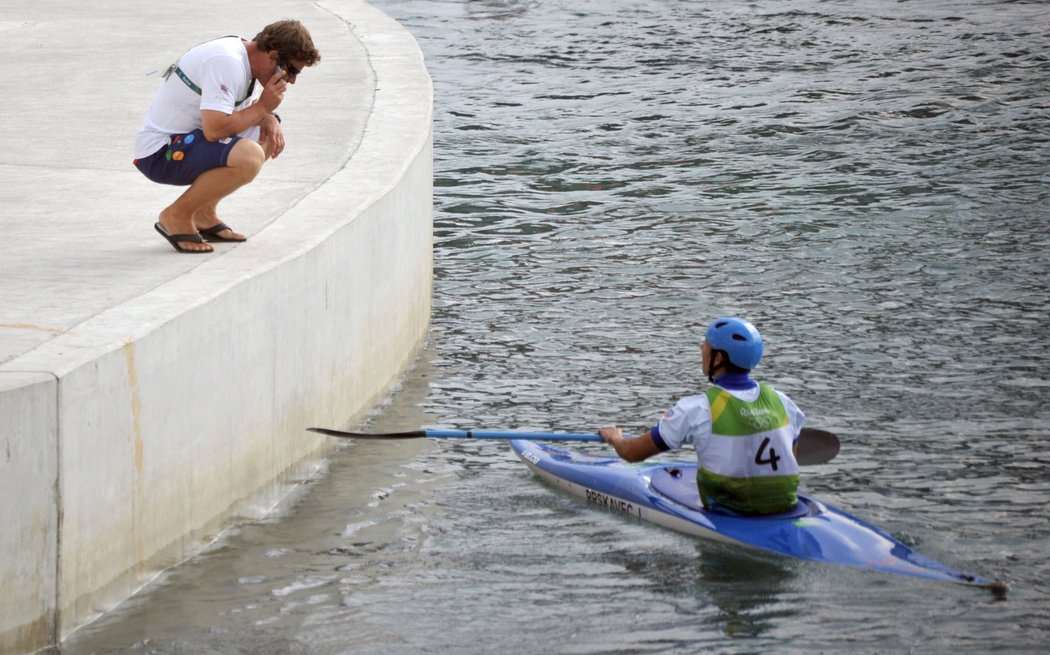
pixel 496 434
pixel 462 434
pixel 814 446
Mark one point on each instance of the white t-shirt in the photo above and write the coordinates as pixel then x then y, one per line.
pixel 221 70
pixel 689 421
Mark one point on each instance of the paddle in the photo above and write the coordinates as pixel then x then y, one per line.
pixel 814 446
pixel 462 434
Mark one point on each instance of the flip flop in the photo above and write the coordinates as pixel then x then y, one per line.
pixel 176 239
pixel 212 234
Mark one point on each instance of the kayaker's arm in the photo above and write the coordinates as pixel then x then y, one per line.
pixel 631 449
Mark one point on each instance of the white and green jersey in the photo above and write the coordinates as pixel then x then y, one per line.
pixel 743 441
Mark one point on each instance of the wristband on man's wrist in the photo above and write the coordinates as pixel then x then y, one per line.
pixel 277 116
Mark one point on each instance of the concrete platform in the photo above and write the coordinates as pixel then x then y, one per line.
pixel 145 393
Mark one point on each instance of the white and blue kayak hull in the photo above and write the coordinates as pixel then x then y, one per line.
pixel 665 494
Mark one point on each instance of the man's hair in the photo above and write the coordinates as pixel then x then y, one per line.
pixel 290 39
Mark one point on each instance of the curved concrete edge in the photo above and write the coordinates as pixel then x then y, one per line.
pixel 137 434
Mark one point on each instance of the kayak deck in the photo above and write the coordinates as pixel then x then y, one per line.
pixel 666 494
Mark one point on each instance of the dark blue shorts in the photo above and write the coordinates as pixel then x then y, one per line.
pixel 185 158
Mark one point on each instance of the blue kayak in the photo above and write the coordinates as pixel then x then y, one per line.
pixel 666 494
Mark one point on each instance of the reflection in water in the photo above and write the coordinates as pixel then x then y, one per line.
pixel 741 593
pixel 746 589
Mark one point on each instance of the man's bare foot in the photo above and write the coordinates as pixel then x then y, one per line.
pixel 220 232
pixel 180 232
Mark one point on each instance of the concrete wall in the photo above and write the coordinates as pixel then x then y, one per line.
pixel 28 510
pixel 128 442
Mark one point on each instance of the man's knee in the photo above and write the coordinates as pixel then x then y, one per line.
pixel 247 156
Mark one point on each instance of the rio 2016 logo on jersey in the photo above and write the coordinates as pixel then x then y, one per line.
pixel 760 418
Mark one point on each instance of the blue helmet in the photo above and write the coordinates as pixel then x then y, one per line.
pixel 738 339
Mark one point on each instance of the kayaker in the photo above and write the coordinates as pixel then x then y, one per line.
pixel 744 432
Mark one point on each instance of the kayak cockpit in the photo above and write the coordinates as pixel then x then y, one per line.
pixel 678 483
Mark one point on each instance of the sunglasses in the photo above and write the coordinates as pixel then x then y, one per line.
pixel 292 70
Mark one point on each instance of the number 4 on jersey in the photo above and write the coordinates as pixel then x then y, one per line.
pixel 771 459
